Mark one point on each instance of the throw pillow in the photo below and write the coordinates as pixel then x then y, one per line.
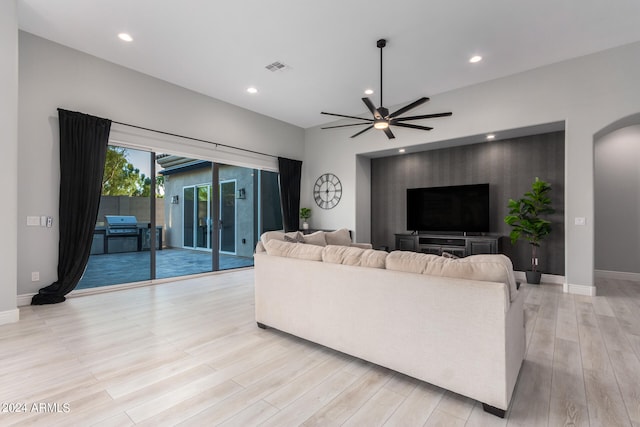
pixel 339 237
pixel 316 238
pixel 297 238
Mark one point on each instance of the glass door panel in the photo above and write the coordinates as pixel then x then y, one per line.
pixel 118 253
pixel 203 238
pixel 188 217
pixel 228 217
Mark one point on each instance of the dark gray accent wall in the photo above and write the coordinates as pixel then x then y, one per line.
pixel 509 166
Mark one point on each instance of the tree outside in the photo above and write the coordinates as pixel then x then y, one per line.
pixel 122 178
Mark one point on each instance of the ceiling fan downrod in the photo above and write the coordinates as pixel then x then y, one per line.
pixel 381 43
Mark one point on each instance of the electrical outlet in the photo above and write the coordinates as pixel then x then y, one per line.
pixel 580 220
pixel 35 276
pixel 49 221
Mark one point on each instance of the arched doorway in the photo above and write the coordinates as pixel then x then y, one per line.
pixel 617 200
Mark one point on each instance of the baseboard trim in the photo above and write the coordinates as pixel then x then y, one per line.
pixel 617 275
pixel 24 299
pixel 9 316
pixel 587 290
pixel 546 278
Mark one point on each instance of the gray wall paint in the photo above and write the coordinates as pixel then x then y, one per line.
pixel 509 166
pixel 617 201
pixel 53 76
pixel 9 169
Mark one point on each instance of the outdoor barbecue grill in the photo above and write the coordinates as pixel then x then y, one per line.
pixel 121 233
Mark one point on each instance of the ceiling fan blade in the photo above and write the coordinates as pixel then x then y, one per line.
pixel 371 108
pixel 424 116
pixel 362 131
pixel 407 125
pixel 389 134
pixel 342 126
pixel 409 107
pixel 342 115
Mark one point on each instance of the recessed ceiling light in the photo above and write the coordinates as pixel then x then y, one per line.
pixel 368 92
pixel 475 59
pixel 252 90
pixel 401 150
pixel 491 136
pixel 125 37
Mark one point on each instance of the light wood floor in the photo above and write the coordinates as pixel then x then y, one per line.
pixel 189 353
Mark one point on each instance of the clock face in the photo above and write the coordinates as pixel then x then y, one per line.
pixel 327 191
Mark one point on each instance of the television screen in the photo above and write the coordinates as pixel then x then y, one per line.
pixel 460 208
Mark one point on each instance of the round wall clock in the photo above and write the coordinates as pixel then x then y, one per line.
pixel 327 191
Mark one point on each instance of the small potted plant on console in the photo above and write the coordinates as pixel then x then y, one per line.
pixel 305 214
pixel 524 217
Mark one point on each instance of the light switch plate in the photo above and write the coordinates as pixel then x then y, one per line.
pixel 33 221
pixel 580 220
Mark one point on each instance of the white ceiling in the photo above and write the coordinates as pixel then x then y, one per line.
pixel 220 48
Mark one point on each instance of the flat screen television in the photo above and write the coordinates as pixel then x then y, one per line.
pixel 459 208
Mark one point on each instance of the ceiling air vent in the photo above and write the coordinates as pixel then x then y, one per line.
pixel 276 66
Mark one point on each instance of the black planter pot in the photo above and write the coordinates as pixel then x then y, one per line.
pixel 533 277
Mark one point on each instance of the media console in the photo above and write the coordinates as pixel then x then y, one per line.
pixel 457 245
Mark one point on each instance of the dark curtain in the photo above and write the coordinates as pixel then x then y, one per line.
pixel 290 173
pixel 83 148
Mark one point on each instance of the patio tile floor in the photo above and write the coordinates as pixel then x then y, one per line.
pixel 129 267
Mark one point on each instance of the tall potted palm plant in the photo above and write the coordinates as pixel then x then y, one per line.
pixel 525 218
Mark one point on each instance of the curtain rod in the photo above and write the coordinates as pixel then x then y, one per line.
pixel 217 144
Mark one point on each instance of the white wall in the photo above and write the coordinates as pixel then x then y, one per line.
pixel 617 201
pixel 587 93
pixel 9 169
pixel 53 76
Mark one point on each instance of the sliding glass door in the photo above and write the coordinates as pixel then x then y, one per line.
pixel 193 217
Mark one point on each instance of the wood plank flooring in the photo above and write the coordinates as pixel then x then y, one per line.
pixel 189 353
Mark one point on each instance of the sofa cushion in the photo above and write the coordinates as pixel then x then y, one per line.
pixel 373 258
pixel 339 237
pixel 349 255
pixel 487 268
pixel 316 238
pixel 281 248
pixel 278 235
pixel 412 262
pixel 341 255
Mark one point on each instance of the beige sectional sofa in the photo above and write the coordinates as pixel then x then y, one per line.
pixel 454 323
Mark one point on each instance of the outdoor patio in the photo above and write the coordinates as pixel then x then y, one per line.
pixel 128 267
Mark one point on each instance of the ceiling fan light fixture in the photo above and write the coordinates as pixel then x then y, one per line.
pixel 381 124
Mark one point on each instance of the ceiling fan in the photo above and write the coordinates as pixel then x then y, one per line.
pixel 381 117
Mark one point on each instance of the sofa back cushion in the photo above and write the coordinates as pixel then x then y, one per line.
pixel 339 237
pixel 316 238
pixel 411 262
pixel 281 248
pixel 488 268
pixel 279 235
pixel 349 255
